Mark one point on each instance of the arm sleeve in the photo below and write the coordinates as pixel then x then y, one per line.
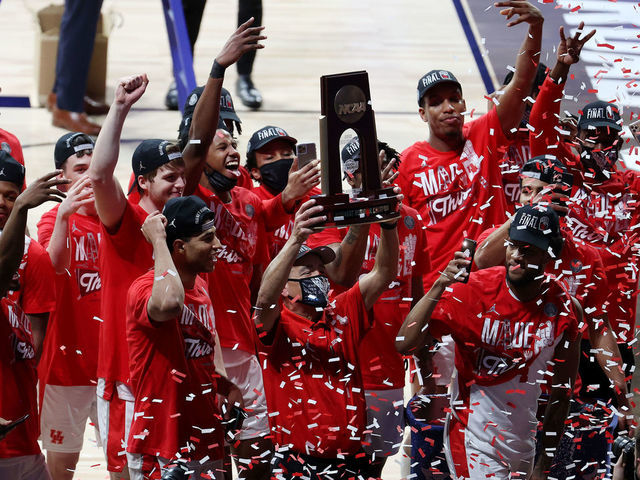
pixel 544 120
pixel 274 214
pixel 39 294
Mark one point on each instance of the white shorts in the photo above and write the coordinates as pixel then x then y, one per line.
pixel 385 422
pixel 142 466
pixel 64 415
pixel 244 370
pixel 27 467
pixel 114 421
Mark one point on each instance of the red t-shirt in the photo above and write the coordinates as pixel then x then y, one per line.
pixel 517 153
pixel 502 350
pixel 458 194
pixel 312 381
pixel 70 354
pixel 173 376
pixel 124 255
pixel 380 364
pixel 241 228
pixel 605 215
pixel 18 378
pixel 36 276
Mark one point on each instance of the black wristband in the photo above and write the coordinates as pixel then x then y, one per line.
pixel 389 226
pixel 217 70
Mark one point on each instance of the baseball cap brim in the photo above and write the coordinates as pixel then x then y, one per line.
pixel 230 116
pixel 326 254
pixel 600 123
pixel 524 235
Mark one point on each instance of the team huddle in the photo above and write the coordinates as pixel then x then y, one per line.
pixel 202 316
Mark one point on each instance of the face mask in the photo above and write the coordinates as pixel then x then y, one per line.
pixel 275 175
pixel 315 290
pixel 604 159
pixel 219 182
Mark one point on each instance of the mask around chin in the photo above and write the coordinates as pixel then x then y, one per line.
pixel 602 160
pixel 219 182
pixel 275 175
pixel 315 290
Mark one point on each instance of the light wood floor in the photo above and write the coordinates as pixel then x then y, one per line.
pixel 396 42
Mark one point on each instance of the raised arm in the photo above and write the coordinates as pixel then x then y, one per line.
pixel 491 251
pixel 58 248
pixel 274 279
pixel 385 269
pixel 109 197
pixel 205 116
pixel 414 332
pixel 510 107
pixel 565 368
pixel 167 295
pixel 12 238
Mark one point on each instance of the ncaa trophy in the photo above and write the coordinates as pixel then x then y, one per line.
pixel 346 104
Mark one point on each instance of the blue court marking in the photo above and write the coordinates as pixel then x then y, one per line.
pixel 18 102
pixel 475 49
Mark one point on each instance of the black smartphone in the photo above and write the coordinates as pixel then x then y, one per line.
pixel 469 249
pixel 4 429
pixel 306 152
pixel 238 416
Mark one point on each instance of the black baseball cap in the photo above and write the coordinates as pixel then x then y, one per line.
pixel 187 217
pixel 151 155
pixel 600 114
pixel 69 144
pixel 547 169
pixel 433 78
pixel 11 170
pixel 326 254
pixel 266 135
pixel 350 156
pixel 227 111
pixel 536 225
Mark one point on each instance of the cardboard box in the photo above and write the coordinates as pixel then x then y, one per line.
pixel 49 19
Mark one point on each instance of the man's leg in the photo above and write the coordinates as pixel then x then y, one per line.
pixel 75 47
pixel 111 419
pixel 253 450
pixel 248 93
pixel 63 418
pixel 384 429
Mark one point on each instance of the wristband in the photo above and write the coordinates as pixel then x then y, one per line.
pixel 217 70
pixel 389 226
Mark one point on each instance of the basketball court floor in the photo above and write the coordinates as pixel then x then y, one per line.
pixel 395 42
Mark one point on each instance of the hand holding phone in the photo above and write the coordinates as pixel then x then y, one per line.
pixel 7 427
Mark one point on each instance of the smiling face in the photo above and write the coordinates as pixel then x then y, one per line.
pixel 8 194
pixel 168 182
pixel 442 108
pixel 200 253
pixel 223 156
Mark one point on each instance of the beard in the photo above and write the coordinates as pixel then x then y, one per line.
pixel 527 277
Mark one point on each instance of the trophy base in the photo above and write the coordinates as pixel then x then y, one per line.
pixel 372 207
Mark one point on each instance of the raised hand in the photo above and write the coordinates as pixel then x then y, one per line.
pixel 42 190
pixel 130 89
pixel 153 227
pixel 456 270
pixel 307 216
pixel 525 12
pixel 301 181
pixel 243 40
pixel 78 196
pixel 569 48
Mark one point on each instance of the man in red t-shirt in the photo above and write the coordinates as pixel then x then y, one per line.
pixel 309 345
pixel 173 357
pixel 272 163
pixel 453 180
pixel 509 326
pixel 603 208
pixel 242 222
pixel 382 368
pixel 31 291
pixel 162 172
pixel 67 371
pixel 20 455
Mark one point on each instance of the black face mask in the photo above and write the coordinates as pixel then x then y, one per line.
pixel 275 175
pixel 604 160
pixel 315 290
pixel 219 182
